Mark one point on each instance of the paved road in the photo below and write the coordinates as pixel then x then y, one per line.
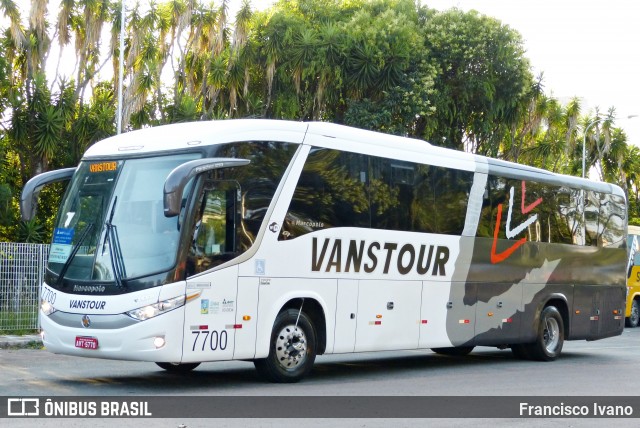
pixel 608 367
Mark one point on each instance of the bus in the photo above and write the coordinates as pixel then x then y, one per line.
pixel 632 312
pixel 277 241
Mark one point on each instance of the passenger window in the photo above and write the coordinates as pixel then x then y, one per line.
pixel 332 192
pixel 342 189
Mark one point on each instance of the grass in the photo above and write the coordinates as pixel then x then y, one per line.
pixel 18 323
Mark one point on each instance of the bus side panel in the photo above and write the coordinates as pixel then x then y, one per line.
pixel 209 333
pixel 461 313
pixel 506 295
pixel 247 307
pixel 612 318
pixel 600 312
pixel 388 314
pixel 433 315
pixel 496 322
pixel 581 312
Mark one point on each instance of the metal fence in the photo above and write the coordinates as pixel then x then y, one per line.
pixel 21 273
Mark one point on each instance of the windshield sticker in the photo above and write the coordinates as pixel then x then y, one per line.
pixel 103 167
pixel 61 247
pixel 59 253
pixel 63 235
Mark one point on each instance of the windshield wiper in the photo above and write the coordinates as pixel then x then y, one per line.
pixel 74 251
pixel 115 252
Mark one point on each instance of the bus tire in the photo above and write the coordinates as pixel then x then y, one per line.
pixel 634 319
pixel 550 336
pixel 456 351
pixel 178 367
pixel 292 349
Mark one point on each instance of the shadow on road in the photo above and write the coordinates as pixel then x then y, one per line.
pixel 355 367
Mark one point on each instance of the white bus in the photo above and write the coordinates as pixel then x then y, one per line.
pixel 277 241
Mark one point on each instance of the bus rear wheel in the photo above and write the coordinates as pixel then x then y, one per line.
pixel 292 350
pixel 634 318
pixel 177 367
pixel 550 336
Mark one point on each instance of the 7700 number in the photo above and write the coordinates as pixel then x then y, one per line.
pixel 214 339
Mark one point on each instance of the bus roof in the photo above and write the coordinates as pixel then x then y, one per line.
pixel 182 136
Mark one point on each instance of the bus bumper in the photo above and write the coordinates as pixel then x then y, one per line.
pixel 157 339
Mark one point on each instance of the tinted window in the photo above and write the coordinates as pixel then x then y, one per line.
pixel 418 198
pixel 339 189
pixel 332 192
pixel 612 221
pixel 558 210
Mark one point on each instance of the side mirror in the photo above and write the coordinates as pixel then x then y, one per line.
pixel 180 176
pixel 31 190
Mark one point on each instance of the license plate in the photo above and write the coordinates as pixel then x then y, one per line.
pixel 86 342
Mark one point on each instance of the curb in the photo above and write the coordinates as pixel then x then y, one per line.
pixel 29 341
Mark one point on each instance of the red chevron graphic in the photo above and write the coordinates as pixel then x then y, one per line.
pixel 499 257
pixel 528 207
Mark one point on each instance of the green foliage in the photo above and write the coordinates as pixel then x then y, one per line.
pixel 481 82
pixel 30 231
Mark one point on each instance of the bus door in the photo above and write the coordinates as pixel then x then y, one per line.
pixel 346 310
pixel 210 324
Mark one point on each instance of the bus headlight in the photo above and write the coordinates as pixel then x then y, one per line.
pixel 156 309
pixel 46 307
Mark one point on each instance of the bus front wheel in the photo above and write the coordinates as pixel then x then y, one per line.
pixel 292 350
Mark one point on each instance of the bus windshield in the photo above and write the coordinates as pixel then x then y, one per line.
pixel 111 225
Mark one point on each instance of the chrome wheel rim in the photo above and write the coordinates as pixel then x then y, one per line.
pixel 551 334
pixel 291 347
